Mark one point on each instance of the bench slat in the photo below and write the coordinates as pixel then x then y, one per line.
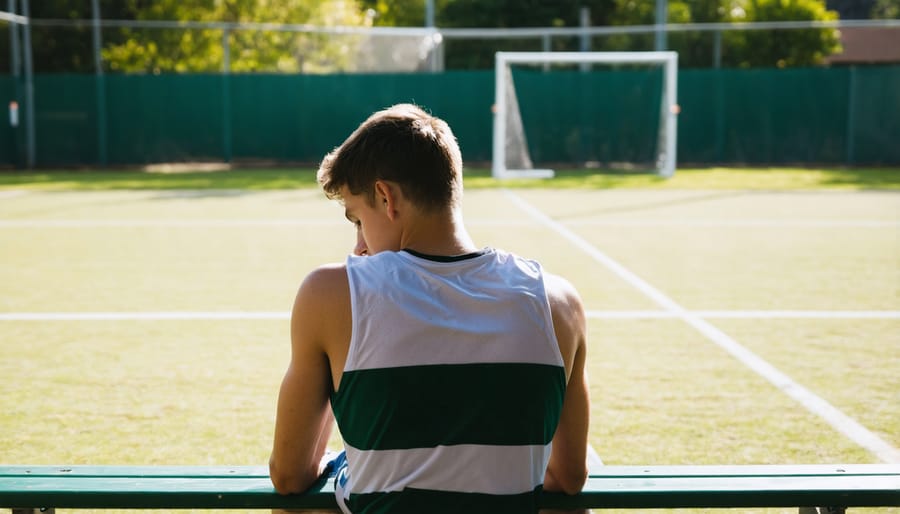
pixel 776 470
pixel 611 486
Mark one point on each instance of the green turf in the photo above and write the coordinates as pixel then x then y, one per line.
pixel 286 178
pixel 203 392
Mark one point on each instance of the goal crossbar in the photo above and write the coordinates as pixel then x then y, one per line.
pixel 668 115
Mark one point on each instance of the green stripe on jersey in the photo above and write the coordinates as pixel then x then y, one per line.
pixel 448 404
pixel 441 502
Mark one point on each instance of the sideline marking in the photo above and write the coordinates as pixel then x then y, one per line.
pixel 793 314
pixel 11 193
pixel 815 404
pixel 740 222
pixel 595 314
pixel 95 223
pixel 293 222
pixel 137 316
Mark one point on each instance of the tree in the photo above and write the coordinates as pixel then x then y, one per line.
pixel 64 49
pixel 851 9
pixel 738 48
pixel 202 50
pixel 399 13
pixel 780 48
pixel 512 13
pixel 886 9
pixel 695 49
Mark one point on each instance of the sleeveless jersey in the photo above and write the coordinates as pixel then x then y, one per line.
pixel 453 384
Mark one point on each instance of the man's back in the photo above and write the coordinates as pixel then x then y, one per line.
pixel 453 383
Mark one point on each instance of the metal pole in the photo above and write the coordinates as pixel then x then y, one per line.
pixel 226 95
pixel 717 49
pixel 433 43
pixel 662 15
pixel 851 116
pixel 584 16
pixel 429 13
pixel 30 153
pixel 546 46
pixel 15 63
pixel 14 56
pixel 100 86
pixel 498 166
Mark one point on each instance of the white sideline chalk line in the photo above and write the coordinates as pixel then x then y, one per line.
pixel 11 193
pixel 764 222
pixel 594 461
pixel 595 314
pixel 138 316
pixel 815 404
pixel 762 314
pixel 297 222
pixel 188 223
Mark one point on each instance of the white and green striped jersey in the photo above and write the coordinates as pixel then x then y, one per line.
pixel 453 384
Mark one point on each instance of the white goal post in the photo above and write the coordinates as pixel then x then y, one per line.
pixel 507 118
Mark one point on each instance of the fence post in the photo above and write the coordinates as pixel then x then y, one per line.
pixel 15 63
pixel 851 116
pixel 662 15
pixel 100 84
pixel 584 15
pixel 226 95
pixel 30 153
pixel 719 111
pixel 717 49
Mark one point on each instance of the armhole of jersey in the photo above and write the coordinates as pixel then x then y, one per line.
pixel 350 363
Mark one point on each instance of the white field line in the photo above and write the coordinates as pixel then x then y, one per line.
pixel 296 222
pixel 137 316
pixel 736 223
pixel 206 223
pixel 591 314
pixel 815 404
pixel 594 461
pixel 11 193
pixel 781 314
pixel 188 223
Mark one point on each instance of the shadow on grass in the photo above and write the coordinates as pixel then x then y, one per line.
pixel 246 179
pixel 299 178
pixel 864 178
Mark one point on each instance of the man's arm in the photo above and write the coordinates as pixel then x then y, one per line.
pixel 567 470
pixel 304 420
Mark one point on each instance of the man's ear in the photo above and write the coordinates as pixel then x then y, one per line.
pixel 387 196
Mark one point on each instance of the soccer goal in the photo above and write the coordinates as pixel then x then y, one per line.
pixel 511 157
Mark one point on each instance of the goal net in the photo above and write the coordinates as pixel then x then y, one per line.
pixel 656 96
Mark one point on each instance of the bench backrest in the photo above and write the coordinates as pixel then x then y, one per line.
pixel 219 487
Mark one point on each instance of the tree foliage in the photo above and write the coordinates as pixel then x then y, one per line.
pixel 156 50
pixel 767 48
pixel 886 9
pixel 780 48
pixel 513 13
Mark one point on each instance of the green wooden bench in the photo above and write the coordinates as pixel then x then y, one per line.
pixel 30 488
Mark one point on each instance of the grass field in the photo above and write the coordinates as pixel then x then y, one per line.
pixel 143 318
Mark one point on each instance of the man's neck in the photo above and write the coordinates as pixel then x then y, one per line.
pixel 438 234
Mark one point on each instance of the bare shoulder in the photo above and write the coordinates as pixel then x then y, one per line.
pixel 562 293
pixel 323 297
pixel 325 281
pixel 567 311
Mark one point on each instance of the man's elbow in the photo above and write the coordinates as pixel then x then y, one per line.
pixel 288 481
pixel 569 481
pixel 574 482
